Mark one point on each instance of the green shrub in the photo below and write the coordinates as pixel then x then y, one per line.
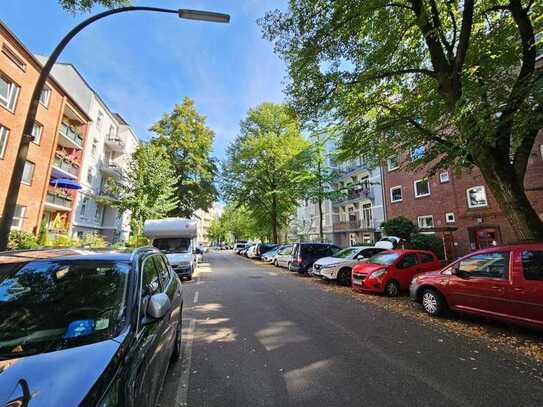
pixel 427 242
pixel 64 241
pixel 94 240
pixel 43 237
pixel 19 239
pixel 400 227
pixel 137 241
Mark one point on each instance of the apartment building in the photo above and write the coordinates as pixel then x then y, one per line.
pixel 203 222
pixel 56 152
pixel 111 142
pixel 457 206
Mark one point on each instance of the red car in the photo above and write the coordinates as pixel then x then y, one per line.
pixel 505 283
pixel 391 271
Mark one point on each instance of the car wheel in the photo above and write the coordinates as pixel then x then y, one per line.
pixel 176 354
pixel 344 277
pixel 275 263
pixel 288 267
pixel 433 302
pixel 392 288
pixel 189 277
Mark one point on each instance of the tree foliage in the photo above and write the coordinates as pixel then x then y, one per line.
pixel 400 227
pixel 458 77
pixel 184 136
pixel 262 164
pixel 148 187
pixel 84 6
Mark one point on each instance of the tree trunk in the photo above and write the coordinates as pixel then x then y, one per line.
pixel 511 196
pixel 274 218
pixel 321 231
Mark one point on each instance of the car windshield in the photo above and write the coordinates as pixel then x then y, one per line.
pixel 346 253
pixel 51 305
pixel 384 258
pixel 172 245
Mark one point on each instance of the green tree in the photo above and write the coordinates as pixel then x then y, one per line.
pixel 216 232
pixel 262 163
pixel 400 227
pixel 238 222
pixel 457 77
pixel 84 6
pixel 184 135
pixel 147 188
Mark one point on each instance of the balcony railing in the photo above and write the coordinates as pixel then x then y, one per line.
pixel 65 165
pixel 70 133
pixel 354 225
pixel 59 199
pixel 364 193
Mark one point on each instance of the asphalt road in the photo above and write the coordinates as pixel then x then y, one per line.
pixel 258 336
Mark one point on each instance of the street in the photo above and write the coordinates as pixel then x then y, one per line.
pixel 255 335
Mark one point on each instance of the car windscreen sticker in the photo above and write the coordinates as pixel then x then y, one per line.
pixel 102 324
pixel 80 327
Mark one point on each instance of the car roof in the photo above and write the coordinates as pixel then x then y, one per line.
pixel 25 256
pixel 406 251
pixel 517 246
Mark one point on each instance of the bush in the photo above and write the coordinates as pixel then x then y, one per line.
pixel 427 242
pixel 43 237
pixel 94 240
pixel 400 227
pixel 137 241
pixel 64 241
pixel 19 239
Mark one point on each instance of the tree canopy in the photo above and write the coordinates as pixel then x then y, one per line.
pixel 262 163
pixel 458 77
pixel 86 5
pixel 188 142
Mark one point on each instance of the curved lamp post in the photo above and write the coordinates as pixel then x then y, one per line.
pixel 16 176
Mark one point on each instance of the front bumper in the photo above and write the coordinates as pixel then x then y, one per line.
pixel 362 283
pixel 329 273
pixel 183 270
pixel 413 288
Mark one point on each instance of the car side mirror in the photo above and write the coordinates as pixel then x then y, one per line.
pixel 458 272
pixel 158 306
pixel 360 257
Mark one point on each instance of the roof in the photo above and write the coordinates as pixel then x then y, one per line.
pixel 24 256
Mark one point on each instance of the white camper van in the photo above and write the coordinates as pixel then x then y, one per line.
pixel 175 237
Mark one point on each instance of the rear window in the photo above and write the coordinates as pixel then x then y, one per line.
pixel 532 264
pixel 426 258
pixel 316 250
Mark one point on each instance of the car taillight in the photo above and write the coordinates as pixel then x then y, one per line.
pixel 300 260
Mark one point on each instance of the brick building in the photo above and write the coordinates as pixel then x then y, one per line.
pixel 458 206
pixel 59 135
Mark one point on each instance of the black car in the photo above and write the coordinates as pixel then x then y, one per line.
pixel 305 254
pixel 262 248
pixel 89 328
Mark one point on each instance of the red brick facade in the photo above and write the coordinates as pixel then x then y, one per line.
pixel 472 228
pixel 19 67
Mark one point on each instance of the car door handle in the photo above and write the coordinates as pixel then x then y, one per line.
pixel 518 289
pixel 497 287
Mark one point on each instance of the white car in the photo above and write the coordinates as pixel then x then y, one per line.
pixel 284 256
pixel 339 266
pixel 251 252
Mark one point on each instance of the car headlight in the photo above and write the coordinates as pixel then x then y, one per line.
pixel 378 273
pixel 328 266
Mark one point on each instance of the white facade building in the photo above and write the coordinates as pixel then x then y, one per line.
pixel 110 144
pixel 203 221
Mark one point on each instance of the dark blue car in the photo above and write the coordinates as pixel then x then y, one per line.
pixel 91 328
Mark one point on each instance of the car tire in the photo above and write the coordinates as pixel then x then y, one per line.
pixel 275 263
pixel 344 277
pixel 189 278
pixel 176 354
pixel 288 266
pixel 392 288
pixel 433 302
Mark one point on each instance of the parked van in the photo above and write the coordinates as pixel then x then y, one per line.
pixel 175 237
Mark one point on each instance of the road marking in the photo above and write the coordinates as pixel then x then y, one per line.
pixel 183 388
pixel 196 294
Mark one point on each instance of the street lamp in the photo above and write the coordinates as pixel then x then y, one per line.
pixel 22 152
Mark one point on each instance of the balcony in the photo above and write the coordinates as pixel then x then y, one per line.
pixel 58 201
pixel 354 196
pixel 69 136
pixel 64 167
pixel 115 143
pixel 355 225
pixel 111 168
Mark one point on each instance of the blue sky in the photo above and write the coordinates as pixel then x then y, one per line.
pixel 144 63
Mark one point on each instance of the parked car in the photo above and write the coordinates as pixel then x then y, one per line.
pixel 82 327
pixel 239 246
pixel 504 283
pixel 251 252
pixel 283 256
pixel 269 256
pixel 262 248
pixel 305 254
pixel 391 271
pixel 339 266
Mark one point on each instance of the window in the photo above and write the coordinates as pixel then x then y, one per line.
pixel 84 203
pixel 417 153
pixel 37 131
pixel 532 264
pixel 449 217
pixel 422 188
pixel 393 163
pixel 150 281
pixel 409 260
pixel 425 222
pixel 9 92
pixel 18 217
pixel 99 120
pixel 14 57
pixel 396 194
pixel 491 265
pixel 45 96
pixel 94 147
pixel 28 173
pixel 444 177
pixel 89 176
pixel 477 197
pixel 99 213
pixel 426 258
pixel 111 134
pixel 4 133
pixel 163 271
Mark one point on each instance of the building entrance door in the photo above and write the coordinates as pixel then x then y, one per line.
pixel 486 237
